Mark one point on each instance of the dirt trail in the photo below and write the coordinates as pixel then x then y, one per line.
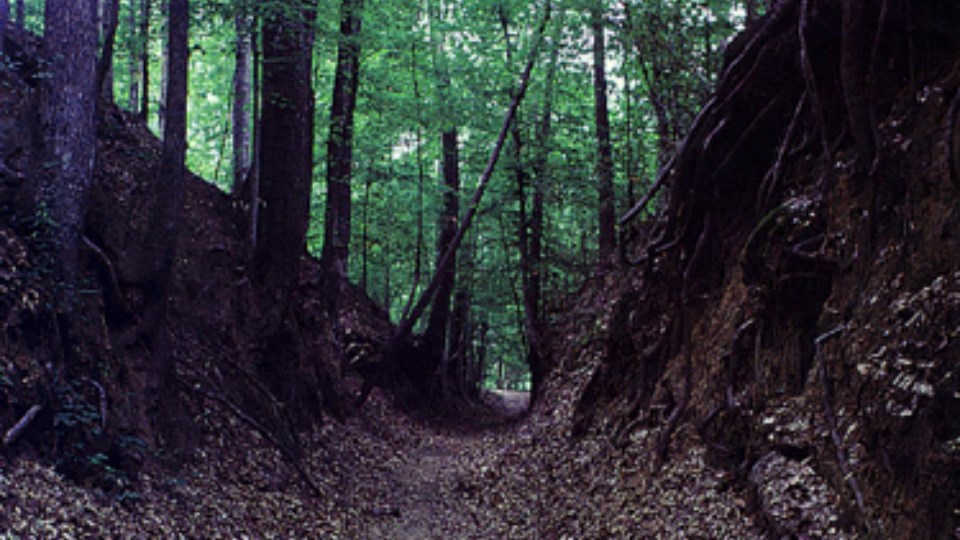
pixel 427 499
pixel 508 403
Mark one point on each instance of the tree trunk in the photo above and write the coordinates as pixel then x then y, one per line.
pixel 164 72
pixel 336 233
pixel 241 102
pixel 164 232
pixel 70 47
pixel 418 249
pixel 145 59
pixel 133 71
pixel 606 210
pixel 21 15
pixel 480 358
pixel 629 168
pixel 286 172
pixel 365 231
pixel 434 336
pixel 454 376
pixel 173 153
pixel 286 148
pixel 533 266
pixel 406 324
pixel 4 18
pixel 387 283
pixel 110 13
pixel 252 192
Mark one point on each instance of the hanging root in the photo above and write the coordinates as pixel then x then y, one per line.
pixel 663 441
pixel 771 180
pixel 810 77
pixel 829 414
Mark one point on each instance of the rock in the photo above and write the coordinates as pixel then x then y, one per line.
pixel 793 500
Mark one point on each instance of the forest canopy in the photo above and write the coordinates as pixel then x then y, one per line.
pixel 433 65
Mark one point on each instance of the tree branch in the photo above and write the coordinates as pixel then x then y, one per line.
pixel 405 326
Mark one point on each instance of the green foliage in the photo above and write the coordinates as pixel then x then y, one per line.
pixel 428 65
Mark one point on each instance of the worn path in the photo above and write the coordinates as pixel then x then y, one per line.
pixel 428 497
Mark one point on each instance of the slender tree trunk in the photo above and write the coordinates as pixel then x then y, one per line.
pixel 435 334
pixel 252 194
pixel 241 102
pixel 607 212
pixel 457 353
pixel 164 72
pixel 110 14
pixel 406 324
pixel 387 283
pixel 70 45
pixel 173 153
pixel 21 14
pixel 365 231
pixel 4 18
pixel 133 68
pixel 434 362
pixel 629 166
pixel 480 360
pixel 145 59
pixel 336 237
pixel 418 249
pixel 170 204
pixel 533 266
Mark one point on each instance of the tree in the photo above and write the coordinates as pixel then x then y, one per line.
pixel 21 14
pixel 165 229
pixel 285 158
pixel 4 17
pixel 532 250
pixel 241 100
pixel 606 208
pixel 336 232
pixel 70 46
pixel 109 14
pixel 144 51
pixel 419 366
pixel 133 62
pixel 435 335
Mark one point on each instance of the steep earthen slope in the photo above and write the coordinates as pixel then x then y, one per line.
pixel 795 311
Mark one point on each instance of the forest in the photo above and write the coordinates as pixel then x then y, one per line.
pixel 479 269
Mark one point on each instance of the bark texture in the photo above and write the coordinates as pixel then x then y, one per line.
pixel 336 234
pixel 109 13
pixel 241 101
pixel 286 171
pixel 606 219
pixel 165 229
pixel 70 45
pixel 436 332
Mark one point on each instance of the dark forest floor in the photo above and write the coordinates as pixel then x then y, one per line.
pixel 385 476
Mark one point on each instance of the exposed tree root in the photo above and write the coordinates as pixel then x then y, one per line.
pixel 810 78
pixel 828 412
pixel 289 454
pixel 771 180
